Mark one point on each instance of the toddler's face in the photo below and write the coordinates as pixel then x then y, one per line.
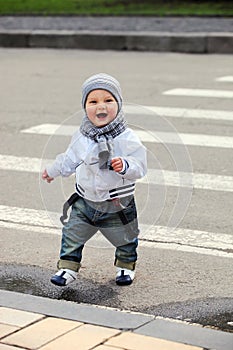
pixel 101 107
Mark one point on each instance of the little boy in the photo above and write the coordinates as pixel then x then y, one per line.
pixel 107 158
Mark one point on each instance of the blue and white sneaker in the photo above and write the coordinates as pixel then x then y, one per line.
pixel 124 277
pixel 63 277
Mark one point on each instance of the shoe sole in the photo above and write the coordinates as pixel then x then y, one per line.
pixel 125 283
pixel 57 283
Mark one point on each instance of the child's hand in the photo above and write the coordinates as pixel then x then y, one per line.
pixel 117 164
pixel 46 177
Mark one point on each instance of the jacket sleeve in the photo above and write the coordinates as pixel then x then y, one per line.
pixel 135 154
pixel 65 163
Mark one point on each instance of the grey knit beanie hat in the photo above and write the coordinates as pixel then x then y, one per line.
pixel 105 82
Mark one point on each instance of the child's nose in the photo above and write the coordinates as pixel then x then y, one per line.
pixel 101 106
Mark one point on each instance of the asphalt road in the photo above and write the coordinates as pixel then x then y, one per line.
pixel 190 278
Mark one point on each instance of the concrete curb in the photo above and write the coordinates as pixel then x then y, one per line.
pixel 221 43
pixel 143 324
pixel 92 314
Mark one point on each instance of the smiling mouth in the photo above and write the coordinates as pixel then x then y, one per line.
pixel 101 115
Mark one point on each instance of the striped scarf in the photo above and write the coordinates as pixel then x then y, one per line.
pixel 104 136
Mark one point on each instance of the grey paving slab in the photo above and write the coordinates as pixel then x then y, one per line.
pixel 188 334
pixel 72 311
pixel 106 40
pixel 170 34
pixel 219 43
pixel 172 24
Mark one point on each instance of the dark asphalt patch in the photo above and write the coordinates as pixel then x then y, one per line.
pixel 34 280
pixel 199 311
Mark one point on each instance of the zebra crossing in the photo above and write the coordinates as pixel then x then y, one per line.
pixel 154 176
pixel 204 242
pixel 40 221
pixel 174 112
pixel 145 136
pixel 228 79
pixel 200 93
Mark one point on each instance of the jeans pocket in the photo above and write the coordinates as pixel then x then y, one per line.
pixel 130 211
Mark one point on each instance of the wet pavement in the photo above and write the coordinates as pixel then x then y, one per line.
pixel 215 312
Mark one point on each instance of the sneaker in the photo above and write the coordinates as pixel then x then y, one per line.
pixel 63 277
pixel 124 277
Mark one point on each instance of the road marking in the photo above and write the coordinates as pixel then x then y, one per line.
pixel 227 79
pixel 194 241
pixel 145 136
pixel 189 180
pixel 187 237
pixel 154 176
pixel 31 165
pixel 200 93
pixel 32 217
pixel 180 112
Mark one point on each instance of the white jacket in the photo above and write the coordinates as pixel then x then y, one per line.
pixel 96 184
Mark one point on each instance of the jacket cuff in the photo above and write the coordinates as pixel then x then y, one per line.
pixel 52 172
pixel 125 167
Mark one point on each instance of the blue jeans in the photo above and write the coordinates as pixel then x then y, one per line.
pixel 116 220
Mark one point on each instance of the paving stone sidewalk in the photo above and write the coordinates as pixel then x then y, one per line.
pixel 29 322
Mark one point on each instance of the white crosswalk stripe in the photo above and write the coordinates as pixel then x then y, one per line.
pixel 41 221
pixel 145 136
pixel 226 79
pixel 194 180
pixel 200 93
pixel 26 164
pixel 154 176
pixel 184 113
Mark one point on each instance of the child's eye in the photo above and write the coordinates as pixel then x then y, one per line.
pixel 92 102
pixel 109 100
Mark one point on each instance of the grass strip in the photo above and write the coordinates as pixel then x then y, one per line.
pixel 117 7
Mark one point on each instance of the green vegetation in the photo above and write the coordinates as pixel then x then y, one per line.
pixel 116 7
